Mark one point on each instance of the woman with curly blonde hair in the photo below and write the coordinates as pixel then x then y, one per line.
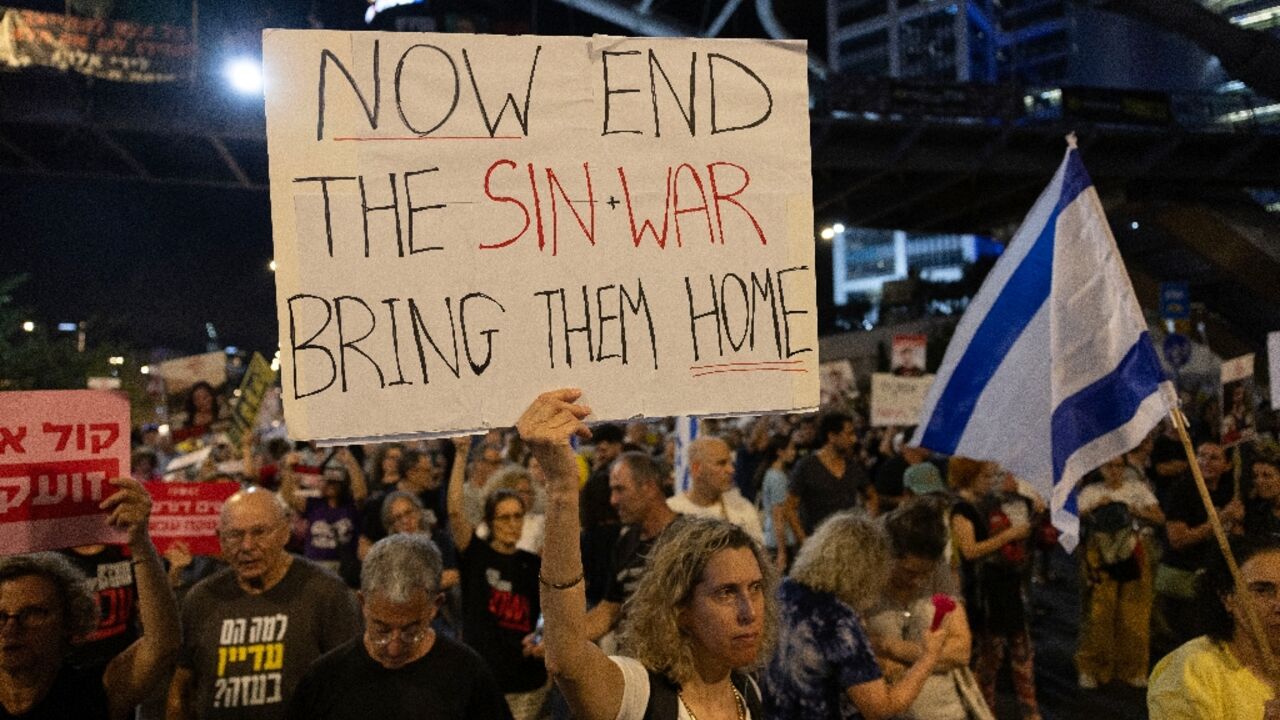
pixel 701 613
pixel 824 666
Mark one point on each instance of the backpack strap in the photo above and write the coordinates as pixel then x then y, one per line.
pixel 664 703
pixel 750 692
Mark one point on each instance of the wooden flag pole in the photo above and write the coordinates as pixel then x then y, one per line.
pixel 1255 626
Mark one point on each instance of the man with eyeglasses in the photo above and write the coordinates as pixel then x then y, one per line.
pixel 251 630
pixel 399 668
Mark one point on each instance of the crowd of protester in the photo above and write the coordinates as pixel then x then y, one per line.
pixel 811 567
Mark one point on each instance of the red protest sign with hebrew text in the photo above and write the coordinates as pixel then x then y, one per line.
pixel 58 449
pixel 188 512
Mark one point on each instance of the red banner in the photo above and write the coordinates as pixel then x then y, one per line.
pixel 57 450
pixel 188 512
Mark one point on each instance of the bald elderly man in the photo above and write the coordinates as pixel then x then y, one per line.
pixel 711 492
pixel 251 630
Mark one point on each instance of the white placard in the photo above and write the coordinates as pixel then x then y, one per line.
pixel 897 400
pixel 463 221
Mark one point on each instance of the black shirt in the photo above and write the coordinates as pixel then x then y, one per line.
pixel 450 682
pixel 1184 505
pixel 500 606
pixel 76 694
pixel 820 493
pixel 630 555
pixel 109 575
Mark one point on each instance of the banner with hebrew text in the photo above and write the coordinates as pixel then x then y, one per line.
pixel 58 449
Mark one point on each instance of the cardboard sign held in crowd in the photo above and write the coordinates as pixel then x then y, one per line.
pixel 258 379
pixel 188 513
pixel 464 221
pixel 909 352
pixel 1239 423
pixel 58 448
pixel 897 400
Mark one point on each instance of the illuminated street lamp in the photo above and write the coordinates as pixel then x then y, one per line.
pixel 244 75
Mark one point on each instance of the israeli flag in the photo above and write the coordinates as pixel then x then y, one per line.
pixel 1051 371
pixel 686 432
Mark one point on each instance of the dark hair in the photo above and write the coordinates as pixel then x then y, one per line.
pixel 1217 583
pixel 377 475
pixel 608 432
pixel 643 467
pixel 497 496
pixel 777 443
pixel 78 604
pixel 408 461
pixel 145 454
pixel 277 448
pixel 190 403
pixel 831 423
pixel 916 529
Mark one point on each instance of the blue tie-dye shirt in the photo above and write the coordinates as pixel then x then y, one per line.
pixel 822 651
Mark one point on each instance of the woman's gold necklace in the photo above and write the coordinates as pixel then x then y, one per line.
pixel 737 697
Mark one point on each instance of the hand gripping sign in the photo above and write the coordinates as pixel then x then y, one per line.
pixel 58 448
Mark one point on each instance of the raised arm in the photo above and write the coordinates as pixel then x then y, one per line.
pixel 459 526
pixel 359 487
pixel 289 484
pixel 181 695
pixel 590 681
pixel 248 456
pixel 132 674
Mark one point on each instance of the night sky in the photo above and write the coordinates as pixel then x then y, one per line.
pixel 146 264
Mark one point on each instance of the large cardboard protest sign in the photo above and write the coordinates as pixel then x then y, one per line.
pixel 462 221
pixel 58 448
pixel 188 513
pixel 898 400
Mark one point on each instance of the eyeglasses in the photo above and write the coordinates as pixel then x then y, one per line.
pixel 28 617
pixel 237 537
pixel 383 638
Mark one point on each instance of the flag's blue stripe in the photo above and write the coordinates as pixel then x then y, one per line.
pixel 1018 302
pixel 1106 404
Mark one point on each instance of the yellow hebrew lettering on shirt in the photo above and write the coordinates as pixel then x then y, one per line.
pixel 275 657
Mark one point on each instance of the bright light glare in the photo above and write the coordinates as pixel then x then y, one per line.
pixel 145 369
pixel 827 233
pixel 1134 225
pixel 271 266
pixel 838 228
pixel 245 75
pixel 115 360
pixel 28 326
